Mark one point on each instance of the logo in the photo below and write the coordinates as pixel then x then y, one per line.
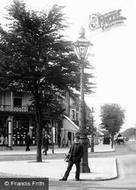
pixel 106 21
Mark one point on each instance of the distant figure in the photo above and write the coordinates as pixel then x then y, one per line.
pixel 75 155
pixel 6 141
pixel 106 140
pixel 45 143
pixel 63 142
pixel 120 139
pixel 27 142
pixel 2 140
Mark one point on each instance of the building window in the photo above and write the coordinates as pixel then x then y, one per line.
pixel 77 116
pixel 17 101
pixel 73 114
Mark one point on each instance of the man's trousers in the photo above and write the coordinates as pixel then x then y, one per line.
pixel 70 164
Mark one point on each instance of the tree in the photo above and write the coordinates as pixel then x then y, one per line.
pixel 35 57
pixel 112 116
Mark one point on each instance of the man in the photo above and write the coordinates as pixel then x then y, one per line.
pixel 76 153
pixel 45 143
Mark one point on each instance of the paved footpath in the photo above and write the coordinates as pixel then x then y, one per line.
pixel 101 168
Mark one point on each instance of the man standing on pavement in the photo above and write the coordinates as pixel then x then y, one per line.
pixel 28 141
pixel 75 155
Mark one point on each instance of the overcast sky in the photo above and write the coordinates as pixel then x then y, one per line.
pixel 114 57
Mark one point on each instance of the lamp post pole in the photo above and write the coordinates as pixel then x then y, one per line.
pixel 81 47
pixel 82 124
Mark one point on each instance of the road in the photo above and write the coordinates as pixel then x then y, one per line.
pixel 126 157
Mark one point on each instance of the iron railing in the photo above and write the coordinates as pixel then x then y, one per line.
pixel 9 108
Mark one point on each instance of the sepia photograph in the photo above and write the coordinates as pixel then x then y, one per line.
pixel 67 95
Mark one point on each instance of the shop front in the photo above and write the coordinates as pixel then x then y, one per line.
pixel 68 131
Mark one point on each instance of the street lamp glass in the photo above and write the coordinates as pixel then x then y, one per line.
pixel 81 48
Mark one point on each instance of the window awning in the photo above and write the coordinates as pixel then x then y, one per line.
pixel 69 125
pixel 99 132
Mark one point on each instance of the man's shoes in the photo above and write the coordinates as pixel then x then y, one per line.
pixel 77 179
pixel 63 179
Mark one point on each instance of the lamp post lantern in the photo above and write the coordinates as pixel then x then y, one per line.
pixel 81 47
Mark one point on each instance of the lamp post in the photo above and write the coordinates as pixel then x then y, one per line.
pixel 81 47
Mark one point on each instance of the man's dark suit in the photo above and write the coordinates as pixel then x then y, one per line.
pixel 76 153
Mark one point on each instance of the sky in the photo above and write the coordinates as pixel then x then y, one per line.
pixel 112 54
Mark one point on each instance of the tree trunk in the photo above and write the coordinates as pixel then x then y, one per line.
pixel 39 134
pixel 39 143
pixel 112 141
pixel 52 137
pixel 92 142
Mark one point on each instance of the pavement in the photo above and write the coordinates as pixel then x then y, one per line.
pixel 54 169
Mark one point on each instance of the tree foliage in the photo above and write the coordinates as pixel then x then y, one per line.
pixel 33 50
pixel 36 58
pixel 34 55
pixel 112 116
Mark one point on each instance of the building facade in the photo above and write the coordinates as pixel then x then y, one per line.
pixel 17 119
pixel 70 120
